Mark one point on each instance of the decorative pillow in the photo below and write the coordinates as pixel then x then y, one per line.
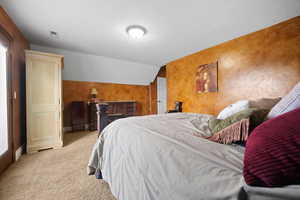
pixel 236 132
pixel 233 108
pixel 264 103
pixel 272 156
pixel 289 102
pixel 256 117
pixel 201 123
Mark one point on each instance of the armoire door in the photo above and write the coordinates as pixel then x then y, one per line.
pixel 43 82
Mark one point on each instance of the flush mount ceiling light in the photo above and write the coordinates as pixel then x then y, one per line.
pixel 136 31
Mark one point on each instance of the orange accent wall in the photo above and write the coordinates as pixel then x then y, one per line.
pixel 80 91
pixel 262 64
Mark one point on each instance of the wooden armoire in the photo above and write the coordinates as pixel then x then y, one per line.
pixel 44 100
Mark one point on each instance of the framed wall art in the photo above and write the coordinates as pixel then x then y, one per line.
pixel 207 78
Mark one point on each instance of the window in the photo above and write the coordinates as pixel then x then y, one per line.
pixel 3 102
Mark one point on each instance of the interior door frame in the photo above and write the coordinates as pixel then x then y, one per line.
pixel 7 158
pixel 158 96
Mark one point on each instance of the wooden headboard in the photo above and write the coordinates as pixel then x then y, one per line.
pixel 262 64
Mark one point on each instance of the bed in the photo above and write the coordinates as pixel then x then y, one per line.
pixel 161 157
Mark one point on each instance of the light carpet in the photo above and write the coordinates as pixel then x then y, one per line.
pixel 56 174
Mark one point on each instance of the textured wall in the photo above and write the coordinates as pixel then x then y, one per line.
pixel 18 44
pixel 262 64
pixel 80 91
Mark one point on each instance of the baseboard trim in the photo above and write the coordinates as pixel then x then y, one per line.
pixel 19 152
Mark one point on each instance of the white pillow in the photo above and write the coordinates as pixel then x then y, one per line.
pixel 288 103
pixel 233 108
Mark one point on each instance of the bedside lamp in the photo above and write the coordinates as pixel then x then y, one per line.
pixel 94 93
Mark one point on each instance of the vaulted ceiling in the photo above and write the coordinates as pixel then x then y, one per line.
pixel 175 27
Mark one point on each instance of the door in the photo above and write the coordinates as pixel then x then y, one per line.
pixel 43 102
pixel 161 95
pixel 6 156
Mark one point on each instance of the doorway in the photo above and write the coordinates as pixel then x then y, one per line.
pixel 161 95
pixel 6 156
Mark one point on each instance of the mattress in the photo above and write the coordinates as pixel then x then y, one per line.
pixel 161 157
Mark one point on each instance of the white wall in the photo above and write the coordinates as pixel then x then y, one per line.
pixel 85 67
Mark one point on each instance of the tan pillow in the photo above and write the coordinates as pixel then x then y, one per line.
pixel 257 116
pixel 264 103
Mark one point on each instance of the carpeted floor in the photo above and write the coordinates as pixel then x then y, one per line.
pixel 55 174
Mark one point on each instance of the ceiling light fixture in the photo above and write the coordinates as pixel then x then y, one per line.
pixel 136 31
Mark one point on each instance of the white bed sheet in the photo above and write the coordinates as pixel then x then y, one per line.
pixel 158 157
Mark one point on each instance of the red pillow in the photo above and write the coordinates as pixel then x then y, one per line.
pixel 272 156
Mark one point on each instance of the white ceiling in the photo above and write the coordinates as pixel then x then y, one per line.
pixel 175 27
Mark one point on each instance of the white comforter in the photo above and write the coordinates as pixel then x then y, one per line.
pixel 158 157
